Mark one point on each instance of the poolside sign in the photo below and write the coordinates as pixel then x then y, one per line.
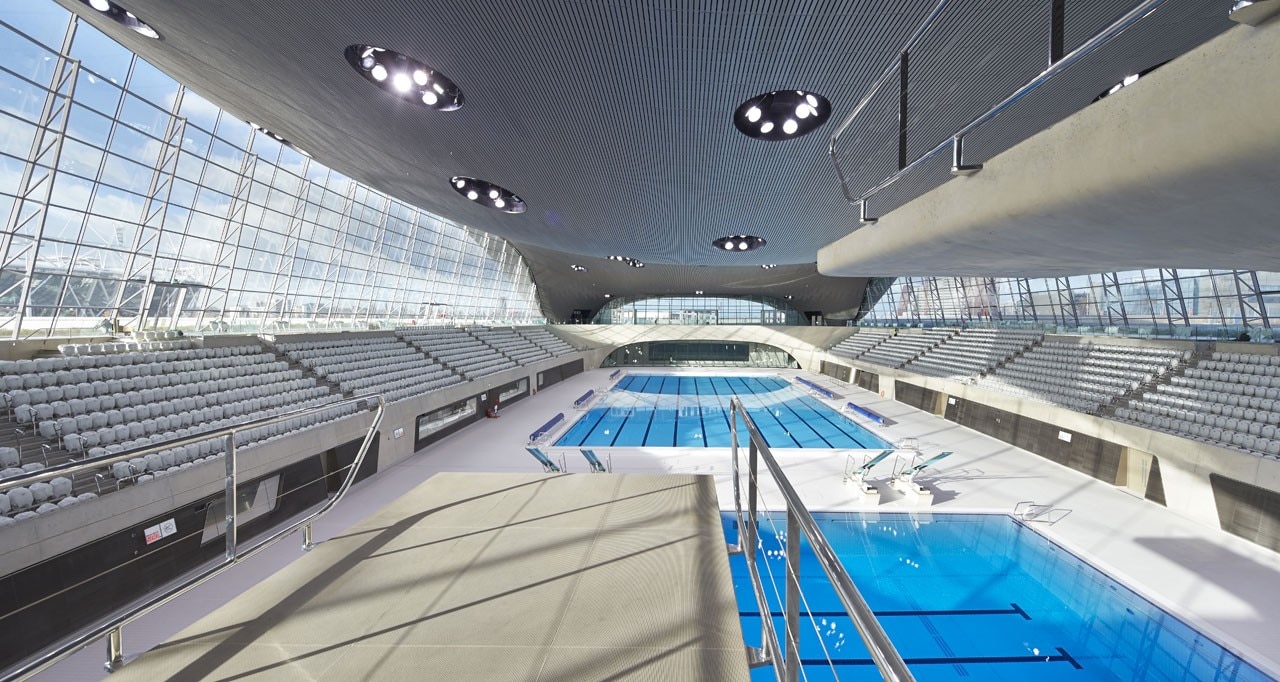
pixel 161 530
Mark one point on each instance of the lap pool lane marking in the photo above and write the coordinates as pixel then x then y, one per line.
pixel 1014 609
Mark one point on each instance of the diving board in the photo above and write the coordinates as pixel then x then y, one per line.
pixel 597 467
pixel 905 480
pixel 547 465
pixel 858 475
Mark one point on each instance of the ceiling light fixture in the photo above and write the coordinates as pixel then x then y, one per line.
pixel 629 261
pixel 122 16
pixel 578 268
pixel 769 266
pixel 739 243
pixel 1127 81
pixel 278 138
pixel 608 295
pixel 487 194
pixel 781 114
pixel 410 79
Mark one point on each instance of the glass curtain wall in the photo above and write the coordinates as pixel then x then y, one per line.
pixel 130 202
pixel 1161 302
pixel 697 310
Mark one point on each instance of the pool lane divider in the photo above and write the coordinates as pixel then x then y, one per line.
pixel 825 392
pixel 869 414
pixel 1062 657
pixel 1013 610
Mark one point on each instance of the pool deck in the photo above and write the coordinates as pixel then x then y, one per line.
pixel 1221 584
pixel 489 576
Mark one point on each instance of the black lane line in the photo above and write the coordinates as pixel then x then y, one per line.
pixel 1063 657
pixel 1016 610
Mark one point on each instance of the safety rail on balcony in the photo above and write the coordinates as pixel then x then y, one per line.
pixel 899 67
pixel 799 523
pixel 113 627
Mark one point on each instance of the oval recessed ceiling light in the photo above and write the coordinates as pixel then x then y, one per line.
pixel 781 114
pixel 404 77
pixel 629 261
pixel 487 194
pixel 739 243
pixel 1128 80
pixel 278 138
pixel 122 16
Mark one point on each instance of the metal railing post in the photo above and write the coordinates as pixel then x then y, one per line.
pixel 115 649
pixel 800 525
pixel 793 596
pixel 112 629
pixel 899 66
pixel 231 495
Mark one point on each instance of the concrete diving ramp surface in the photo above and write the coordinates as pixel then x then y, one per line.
pixel 476 576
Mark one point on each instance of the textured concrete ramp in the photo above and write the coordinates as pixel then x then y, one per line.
pixel 491 577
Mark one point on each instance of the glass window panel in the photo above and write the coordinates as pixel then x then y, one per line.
pixel 145 118
pixel 199 111
pixel 22 99
pixel 98 93
pixel 44 22
pixel 89 126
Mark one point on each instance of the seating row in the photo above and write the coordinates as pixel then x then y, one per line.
pixel 1217 435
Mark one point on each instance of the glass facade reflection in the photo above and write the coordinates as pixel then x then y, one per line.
pixel 1163 302
pixel 131 201
pixel 698 310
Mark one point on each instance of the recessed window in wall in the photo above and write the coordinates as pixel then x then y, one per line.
pixel 781 114
pixel 404 77
pixel 699 310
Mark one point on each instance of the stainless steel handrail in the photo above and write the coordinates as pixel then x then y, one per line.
pixel 113 627
pixel 1133 16
pixel 799 520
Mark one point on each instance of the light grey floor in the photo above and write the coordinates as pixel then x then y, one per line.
pixel 1221 584
pixel 491 576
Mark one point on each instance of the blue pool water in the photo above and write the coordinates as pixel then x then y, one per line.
pixel 974 597
pixel 653 410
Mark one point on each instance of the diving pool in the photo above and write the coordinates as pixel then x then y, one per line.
pixel 973 597
pixel 655 410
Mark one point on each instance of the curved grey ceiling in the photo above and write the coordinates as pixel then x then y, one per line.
pixel 562 290
pixel 611 119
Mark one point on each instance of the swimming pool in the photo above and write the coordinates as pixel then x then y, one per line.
pixel 974 597
pixel 655 410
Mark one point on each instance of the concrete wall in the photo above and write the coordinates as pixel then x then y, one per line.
pixel 806 344
pixel 1185 465
pixel 29 542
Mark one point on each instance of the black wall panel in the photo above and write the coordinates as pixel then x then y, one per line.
pixel 1098 458
pixel 915 396
pixel 841 372
pixel 1246 510
pixel 65 593
pixel 867 380
pixel 555 375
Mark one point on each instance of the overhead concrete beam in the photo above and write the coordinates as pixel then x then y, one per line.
pixel 1181 169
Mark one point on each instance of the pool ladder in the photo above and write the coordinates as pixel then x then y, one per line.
pixel 1029 511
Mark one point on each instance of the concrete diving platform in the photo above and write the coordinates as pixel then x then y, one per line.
pixel 479 576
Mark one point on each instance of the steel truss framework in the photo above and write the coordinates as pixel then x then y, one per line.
pixel 128 209
pixel 1160 300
